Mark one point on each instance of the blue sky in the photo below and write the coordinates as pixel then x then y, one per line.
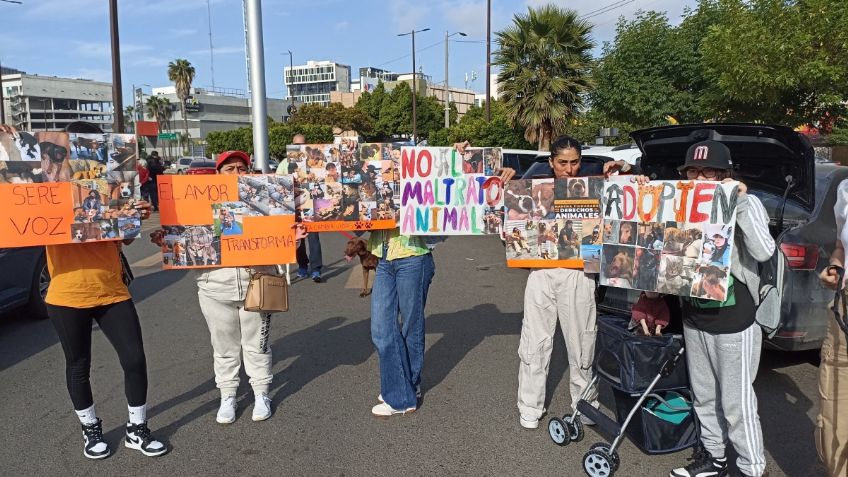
pixel 71 37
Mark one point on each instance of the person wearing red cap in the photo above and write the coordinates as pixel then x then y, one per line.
pixel 235 331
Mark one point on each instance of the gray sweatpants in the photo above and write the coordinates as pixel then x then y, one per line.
pixel 233 331
pixel 722 369
pixel 551 295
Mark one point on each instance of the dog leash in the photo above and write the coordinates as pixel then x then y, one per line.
pixel 839 302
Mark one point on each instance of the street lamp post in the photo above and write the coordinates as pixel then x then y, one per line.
pixel 117 101
pixel 447 78
pixel 488 59
pixel 288 87
pixel 414 81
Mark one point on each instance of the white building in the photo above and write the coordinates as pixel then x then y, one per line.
pixel 210 110
pixel 314 81
pixel 49 103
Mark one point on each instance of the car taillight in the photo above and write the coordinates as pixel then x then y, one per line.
pixel 801 256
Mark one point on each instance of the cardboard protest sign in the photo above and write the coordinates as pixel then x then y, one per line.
pixel 672 237
pixel 553 223
pixel 226 220
pixel 346 186
pixel 444 192
pixel 65 191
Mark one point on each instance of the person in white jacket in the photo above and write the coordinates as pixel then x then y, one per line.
pixel 236 332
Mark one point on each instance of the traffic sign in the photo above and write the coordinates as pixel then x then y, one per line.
pixel 171 136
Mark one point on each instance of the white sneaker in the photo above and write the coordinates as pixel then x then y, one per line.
pixel 417 394
pixel 383 410
pixel 227 411
pixel 262 407
pixel 528 422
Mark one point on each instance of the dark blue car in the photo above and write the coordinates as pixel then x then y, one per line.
pixel 23 280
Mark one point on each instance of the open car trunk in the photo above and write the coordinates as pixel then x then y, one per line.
pixel 774 160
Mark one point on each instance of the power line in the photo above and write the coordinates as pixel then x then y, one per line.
pixel 607 9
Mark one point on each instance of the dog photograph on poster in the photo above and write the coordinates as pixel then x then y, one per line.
pixel 55 156
pixel 610 236
pixel 19 147
pixel 617 263
pixel 546 240
pixel 86 232
pixel 493 218
pixel 517 200
pixel 646 268
pixel 203 248
pixel 568 240
pixel 578 188
pixel 174 246
pixel 709 282
pixel 518 239
pixel 543 198
pixel 122 152
pixel 124 188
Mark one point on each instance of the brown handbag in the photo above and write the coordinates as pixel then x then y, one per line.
pixel 266 293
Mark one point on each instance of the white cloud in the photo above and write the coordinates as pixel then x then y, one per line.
pixel 467 16
pixel 342 26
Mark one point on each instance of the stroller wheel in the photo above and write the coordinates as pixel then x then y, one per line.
pixel 604 447
pixel 575 428
pixel 558 432
pixel 598 463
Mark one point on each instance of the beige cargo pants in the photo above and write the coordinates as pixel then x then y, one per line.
pixel 832 422
pixel 551 294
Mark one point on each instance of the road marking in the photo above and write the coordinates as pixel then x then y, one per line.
pixel 155 259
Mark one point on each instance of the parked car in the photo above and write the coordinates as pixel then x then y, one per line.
pixel 26 285
pixel 201 166
pixel 181 165
pixel 778 166
pixel 272 167
pixel 522 159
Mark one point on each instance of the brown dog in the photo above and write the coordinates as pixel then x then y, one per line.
pixel 357 246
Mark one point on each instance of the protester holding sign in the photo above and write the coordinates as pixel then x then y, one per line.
pixel 234 330
pixel 87 285
pixel 559 293
pixel 401 283
pixel 723 340
pixel 832 421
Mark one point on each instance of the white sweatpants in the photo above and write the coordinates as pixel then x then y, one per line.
pixel 722 369
pixel 233 331
pixel 551 294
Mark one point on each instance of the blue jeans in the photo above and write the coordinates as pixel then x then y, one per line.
pixel 400 286
pixel 314 258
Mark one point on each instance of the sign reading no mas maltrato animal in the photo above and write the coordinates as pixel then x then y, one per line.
pixel 58 188
pixel 444 192
pixel 226 220
pixel 672 237
pixel 553 223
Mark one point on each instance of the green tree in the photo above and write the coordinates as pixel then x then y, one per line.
pixel 651 71
pixel 181 72
pixel 474 128
pixel 348 119
pixel 778 61
pixel 544 59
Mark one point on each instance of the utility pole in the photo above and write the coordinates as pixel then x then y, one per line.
pixel 288 87
pixel 414 81
pixel 447 78
pixel 2 101
pixel 256 50
pixel 117 99
pixel 211 48
pixel 488 58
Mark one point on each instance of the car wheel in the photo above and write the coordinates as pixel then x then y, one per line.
pixel 37 307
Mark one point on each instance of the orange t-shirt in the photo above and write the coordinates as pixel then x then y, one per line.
pixel 85 275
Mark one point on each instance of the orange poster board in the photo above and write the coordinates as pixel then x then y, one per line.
pixel 36 214
pixel 226 220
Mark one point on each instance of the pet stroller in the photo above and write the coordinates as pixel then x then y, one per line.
pixel 653 403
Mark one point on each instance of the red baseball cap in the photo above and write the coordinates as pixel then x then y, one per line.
pixel 231 154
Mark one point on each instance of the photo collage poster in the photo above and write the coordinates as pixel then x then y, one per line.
pixel 672 237
pixel 445 192
pixel 104 186
pixel 346 185
pixel 553 223
pixel 227 220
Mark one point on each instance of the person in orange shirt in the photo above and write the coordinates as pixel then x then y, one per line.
pixel 86 286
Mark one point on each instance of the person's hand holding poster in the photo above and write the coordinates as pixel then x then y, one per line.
pixel 444 192
pixel 672 237
pixel 67 188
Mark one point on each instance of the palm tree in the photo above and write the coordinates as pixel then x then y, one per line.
pixel 154 109
pixel 182 74
pixel 129 116
pixel 544 59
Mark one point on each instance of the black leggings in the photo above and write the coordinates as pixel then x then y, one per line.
pixel 119 323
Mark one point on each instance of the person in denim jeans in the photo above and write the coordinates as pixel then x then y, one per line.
pixel 401 283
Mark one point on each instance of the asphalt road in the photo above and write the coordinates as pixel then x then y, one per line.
pixel 326 380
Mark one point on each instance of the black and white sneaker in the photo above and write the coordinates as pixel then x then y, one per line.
pixel 702 465
pixel 95 446
pixel 138 437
